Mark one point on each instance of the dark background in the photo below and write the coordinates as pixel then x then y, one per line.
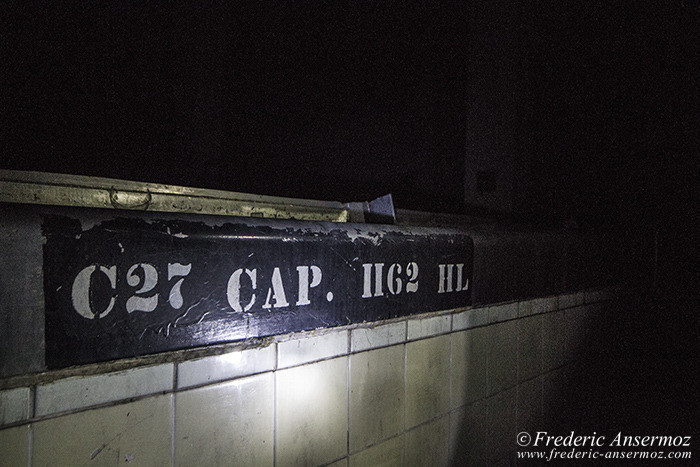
pixel 596 102
pixel 338 101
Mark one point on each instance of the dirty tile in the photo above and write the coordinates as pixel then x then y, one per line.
pixel 503 356
pixel 429 444
pixel 427 327
pixel 379 336
pixel 227 423
pixel 529 347
pixel 470 319
pixel 576 332
pixel 14 405
pixel 552 386
pixel 388 453
pixel 14 446
pixel 537 306
pixel 555 391
pixel 469 366
pixel 571 300
pixel 505 312
pixel 138 431
pixel 553 340
pixel 525 308
pixel 339 463
pixel 427 379
pixel 469 434
pixel 311 348
pixel 311 407
pixel 501 425
pixel 529 410
pixel 376 395
pixel 226 366
pixel 78 392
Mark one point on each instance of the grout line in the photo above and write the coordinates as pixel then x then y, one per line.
pixel 176 370
pixel 32 402
pixel 405 392
pixel 376 443
pixel 172 429
pixel 405 386
pixel 30 447
pixel 488 367
pixel 451 375
pixel 429 421
pixel 274 409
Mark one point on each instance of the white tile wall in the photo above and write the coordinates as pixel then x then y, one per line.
pixel 593 296
pixel 226 366
pixel 571 300
pixel 379 336
pixel 14 446
pixel 310 349
pixel 505 312
pixel 15 405
pixel 298 393
pixel 544 305
pixel 426 327
pixel 229 423
pixel 470 319
pixel 78 392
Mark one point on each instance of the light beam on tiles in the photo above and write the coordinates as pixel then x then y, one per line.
pixel 305 385
pixel 227 364
pixel 230 360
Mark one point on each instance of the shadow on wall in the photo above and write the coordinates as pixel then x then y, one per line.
pixel 602 370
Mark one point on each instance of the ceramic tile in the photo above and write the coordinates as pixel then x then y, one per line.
pixel 427 327
pixel 78 392
pixel 502 425
pixel 525 308
pixel 312 348
pixel 14 446
pixel 311 408
pixel 470 319
pixel 469 366
pixel 138 431
pixel 429 444
pixel 14 405
pixel 576 332
pixel 339 463
pixel 529 347
pixel 386 454
pixel 226 366
pixel 554 388
pixel 427 379
pixel 537 306
pixel 227 423
pixel 571 300
pixel 376 395
pixel 553 340
pixel 503 356
pixel 379 336
pixel 469 434
pixel 505 312
pixel 529 410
